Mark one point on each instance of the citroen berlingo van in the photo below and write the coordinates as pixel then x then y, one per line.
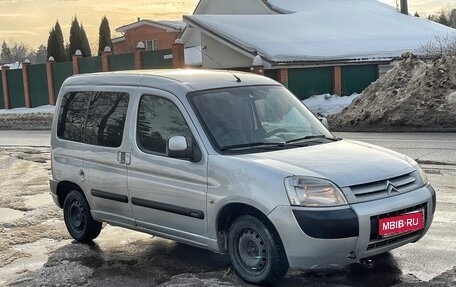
pixel 231 162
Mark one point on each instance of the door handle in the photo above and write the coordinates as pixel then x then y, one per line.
pixel 124 157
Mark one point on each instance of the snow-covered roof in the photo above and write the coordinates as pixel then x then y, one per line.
pixel 324 30
pixel 166 25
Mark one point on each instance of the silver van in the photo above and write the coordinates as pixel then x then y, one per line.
pixel 231 162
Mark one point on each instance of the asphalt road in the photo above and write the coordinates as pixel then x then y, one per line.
pixel 125 258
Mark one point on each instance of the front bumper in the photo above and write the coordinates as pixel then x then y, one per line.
pixel 321 251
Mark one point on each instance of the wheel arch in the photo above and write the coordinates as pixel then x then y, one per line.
pixel 64 188
pixel 229 213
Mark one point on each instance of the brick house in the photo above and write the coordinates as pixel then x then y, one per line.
pixel 156 35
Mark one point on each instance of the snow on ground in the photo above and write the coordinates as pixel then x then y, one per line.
pixel 325 30
pixel 327 104
pixel 47 109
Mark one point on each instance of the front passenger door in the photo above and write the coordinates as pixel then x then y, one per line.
pixel 168 195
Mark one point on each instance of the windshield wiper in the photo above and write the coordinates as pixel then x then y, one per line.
pixel 253 144
pixel 311 137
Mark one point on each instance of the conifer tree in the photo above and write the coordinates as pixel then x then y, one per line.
pixel 104 35
pixel 60 55
pixel 52 49
pixel 75 37
pixel 85 47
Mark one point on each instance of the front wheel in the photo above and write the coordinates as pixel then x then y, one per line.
pixel 256 251
pixel 78 220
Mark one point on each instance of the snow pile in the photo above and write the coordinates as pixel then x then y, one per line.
pixel 354 30
pixel 411 96
pixel 39 118
pixel 327 104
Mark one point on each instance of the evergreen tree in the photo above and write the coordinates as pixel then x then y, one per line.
pixel 6 53
pixel 86 52
pixel 104 35
pixel 75 37
pixel 52 47
pixel 60 55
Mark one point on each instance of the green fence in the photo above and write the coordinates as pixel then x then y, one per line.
pixel 160 59
pixel 307 82
pixel 61 71
pixel 38 85
pixel 2 105
pixel 356 78
pixel 121 62
pixel 16 89
pixel 90 65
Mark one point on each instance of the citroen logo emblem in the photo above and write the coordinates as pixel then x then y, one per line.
pixel 390 188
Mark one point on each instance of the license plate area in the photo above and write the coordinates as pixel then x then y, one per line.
pixel 400 224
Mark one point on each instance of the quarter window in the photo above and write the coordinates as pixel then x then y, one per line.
pixel 106 119
pixel 159 119
pixel 72 115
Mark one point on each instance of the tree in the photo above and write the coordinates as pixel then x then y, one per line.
pixel 52 46
pixel 85 48
pixel 452 18
pixel 41 54
pixel 6 53
pixel 60 52
pixel 416 14
pixel 75 37
pixel 104 35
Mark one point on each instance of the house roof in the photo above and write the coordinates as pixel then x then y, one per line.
pixel 165 25
pixel 323 30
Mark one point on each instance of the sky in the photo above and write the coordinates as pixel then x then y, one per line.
pixel 29 21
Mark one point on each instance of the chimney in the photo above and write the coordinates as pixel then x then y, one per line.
pixel 139 19
pixel 404 7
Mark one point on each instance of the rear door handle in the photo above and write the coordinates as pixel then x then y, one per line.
pixel 124 157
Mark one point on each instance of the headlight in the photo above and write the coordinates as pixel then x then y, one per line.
pixel 420 171
pixel 310 191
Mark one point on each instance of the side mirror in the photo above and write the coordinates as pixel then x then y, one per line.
pixel 177 147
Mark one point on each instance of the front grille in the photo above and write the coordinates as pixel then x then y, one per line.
pixel 385 188
pixel 376 241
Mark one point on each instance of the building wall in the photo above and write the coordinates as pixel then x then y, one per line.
pixel 145 32
pixel 233 7
pixel 226 57
pixel 119 47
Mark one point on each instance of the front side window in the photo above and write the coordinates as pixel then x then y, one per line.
pixel 256 117
pixel 106 119
pixel 73 110
pixel 158 120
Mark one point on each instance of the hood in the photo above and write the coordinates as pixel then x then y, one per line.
pixel 343 162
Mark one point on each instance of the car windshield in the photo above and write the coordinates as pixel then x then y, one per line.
pixel 256 117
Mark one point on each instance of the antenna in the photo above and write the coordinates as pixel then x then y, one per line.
pixel 217 62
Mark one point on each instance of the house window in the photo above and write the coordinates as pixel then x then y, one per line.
pixel 151 45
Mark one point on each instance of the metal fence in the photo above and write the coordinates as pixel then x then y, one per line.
pixel 16 89
pixel 60 72
pixel 90 65
pixel 38 85
pixel 121 62
pixel 2 105
pixel 157 59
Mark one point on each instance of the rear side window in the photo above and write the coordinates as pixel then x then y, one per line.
pixel 159 119
pixel 96 118
pixel 106 119
pixel 72 115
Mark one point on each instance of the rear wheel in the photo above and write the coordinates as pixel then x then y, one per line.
pixel 78 220
pixel 256 251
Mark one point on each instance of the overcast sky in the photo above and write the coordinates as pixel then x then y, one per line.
pixel 29 21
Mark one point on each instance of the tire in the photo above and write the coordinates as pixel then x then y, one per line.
pixel 256 251
pixel 78 220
